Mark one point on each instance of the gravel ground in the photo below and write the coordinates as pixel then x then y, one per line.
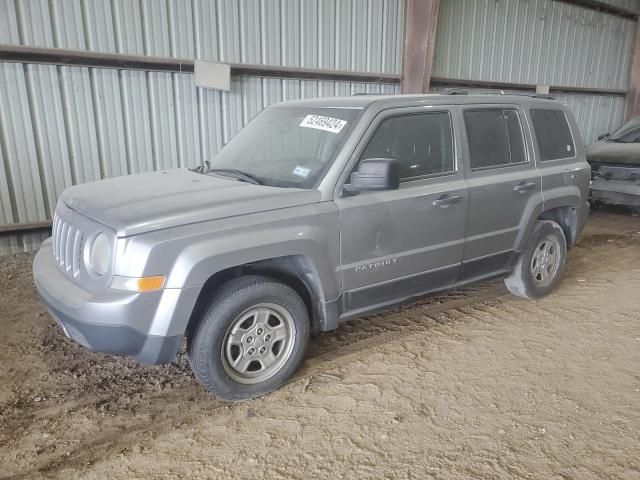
pixel 475 383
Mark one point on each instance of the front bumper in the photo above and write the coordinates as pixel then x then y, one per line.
pixel 146 326
pixel 615 192
pixel 615 184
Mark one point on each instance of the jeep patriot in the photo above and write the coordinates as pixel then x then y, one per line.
pixel 318 211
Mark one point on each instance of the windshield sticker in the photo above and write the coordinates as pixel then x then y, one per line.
pixel 301 172
pixel 328 124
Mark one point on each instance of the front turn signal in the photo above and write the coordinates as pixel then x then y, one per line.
pixel 138 284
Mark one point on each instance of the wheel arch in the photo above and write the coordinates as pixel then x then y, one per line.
pixel 295 271
pixel 560 207
pixel 567 208
pixel 567 217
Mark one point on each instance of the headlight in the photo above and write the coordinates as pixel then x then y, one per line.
pixel 100 254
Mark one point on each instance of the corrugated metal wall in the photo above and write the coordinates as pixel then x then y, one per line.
pixel 65 125
pixel 538 41
pixel 542 42
pixel 353 35
pixel 595 114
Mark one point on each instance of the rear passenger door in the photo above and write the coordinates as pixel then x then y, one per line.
pixel 503 184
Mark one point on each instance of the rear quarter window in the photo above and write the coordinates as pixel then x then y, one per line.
pixel 552 134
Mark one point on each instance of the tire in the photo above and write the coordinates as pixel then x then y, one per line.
pixel 250 340
pixel 595 205
pixel 528 278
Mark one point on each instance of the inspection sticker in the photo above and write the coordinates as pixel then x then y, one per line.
pixel 333 125
pixel 301 172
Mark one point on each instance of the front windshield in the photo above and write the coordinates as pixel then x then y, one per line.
pixel 628 133
pixel 286 146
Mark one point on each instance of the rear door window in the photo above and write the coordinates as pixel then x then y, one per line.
pixel 495 138
pixel 553 134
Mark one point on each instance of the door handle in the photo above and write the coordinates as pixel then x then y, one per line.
pixel 524 187
pixel 445 200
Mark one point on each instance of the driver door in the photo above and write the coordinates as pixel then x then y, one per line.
pixel 402 243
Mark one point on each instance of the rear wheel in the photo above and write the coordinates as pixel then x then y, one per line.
pixel 540 265
pixel 251 339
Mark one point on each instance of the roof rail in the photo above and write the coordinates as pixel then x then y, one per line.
pixel 455 91
pixel 486 91
pixel 546 96
pixel 472 91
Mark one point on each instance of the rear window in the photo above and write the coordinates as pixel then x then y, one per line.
pixel 495 138
pixel 553 134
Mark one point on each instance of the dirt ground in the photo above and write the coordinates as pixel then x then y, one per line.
pixel 473 384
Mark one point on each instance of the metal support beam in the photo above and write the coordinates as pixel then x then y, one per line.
pixel 465 83
pixel 24 227
pixel 632 105
pixel 58 56
pixel 421 22
pixel 604 7
pixel 80 58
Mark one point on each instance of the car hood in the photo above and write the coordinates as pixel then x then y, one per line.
pixel 146 202
pixel 612 152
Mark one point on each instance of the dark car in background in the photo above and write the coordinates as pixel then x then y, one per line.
pixel 615 167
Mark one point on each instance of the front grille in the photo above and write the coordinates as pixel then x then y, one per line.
pixel 67 245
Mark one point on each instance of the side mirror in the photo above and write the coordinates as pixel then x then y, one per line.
pixel 603 136
pixel 374 174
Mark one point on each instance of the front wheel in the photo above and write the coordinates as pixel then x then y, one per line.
pixel 251 339
pixel 540 265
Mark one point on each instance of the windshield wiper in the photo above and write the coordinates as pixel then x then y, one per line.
pixel 202 168
pixel 235 173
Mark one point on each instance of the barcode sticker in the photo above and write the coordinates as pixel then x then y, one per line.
pixel 328 124
pixel 301 172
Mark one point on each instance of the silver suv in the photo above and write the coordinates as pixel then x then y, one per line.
pixel 317 212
